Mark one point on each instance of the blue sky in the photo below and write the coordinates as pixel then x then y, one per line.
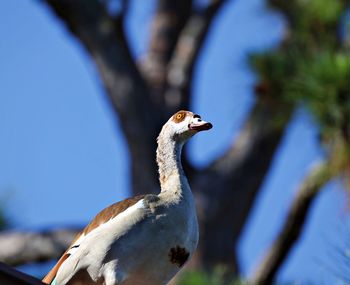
pixel 63 157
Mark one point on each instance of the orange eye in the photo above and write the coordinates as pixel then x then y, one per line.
pixel 179 116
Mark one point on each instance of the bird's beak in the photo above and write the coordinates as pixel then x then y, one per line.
pixel 200 125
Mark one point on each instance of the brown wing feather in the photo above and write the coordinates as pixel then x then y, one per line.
pixel 102 217
pixel 111 212
pixel 51 275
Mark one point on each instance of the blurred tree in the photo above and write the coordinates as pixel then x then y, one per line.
pixel 311 67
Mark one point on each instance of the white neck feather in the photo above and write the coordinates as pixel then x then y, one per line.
pixel 171 175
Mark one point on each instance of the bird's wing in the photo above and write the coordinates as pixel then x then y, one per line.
pixel 104 216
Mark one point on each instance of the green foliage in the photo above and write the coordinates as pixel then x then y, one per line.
pixel 322 83
pixel 304 13
pixel 324 11
pixel 316 15
pixel 312 67
pixel 202 278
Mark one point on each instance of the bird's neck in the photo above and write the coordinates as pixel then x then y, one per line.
pixel 171 175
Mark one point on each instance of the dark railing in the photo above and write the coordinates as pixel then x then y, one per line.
pixel 11 276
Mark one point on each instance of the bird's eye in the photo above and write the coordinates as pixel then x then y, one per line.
pixel 179 116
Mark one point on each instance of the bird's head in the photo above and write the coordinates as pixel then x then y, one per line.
pixel 185 124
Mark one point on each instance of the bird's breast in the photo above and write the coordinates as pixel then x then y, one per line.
pixel 156 248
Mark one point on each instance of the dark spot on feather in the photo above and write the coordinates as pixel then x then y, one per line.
pixel 178 255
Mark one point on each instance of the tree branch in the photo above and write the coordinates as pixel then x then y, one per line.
pixel 19 248
pixel 190 42
pixel 168 21
pixel 293 225
pixel 227 188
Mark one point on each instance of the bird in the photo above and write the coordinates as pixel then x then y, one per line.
pixel 143 240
